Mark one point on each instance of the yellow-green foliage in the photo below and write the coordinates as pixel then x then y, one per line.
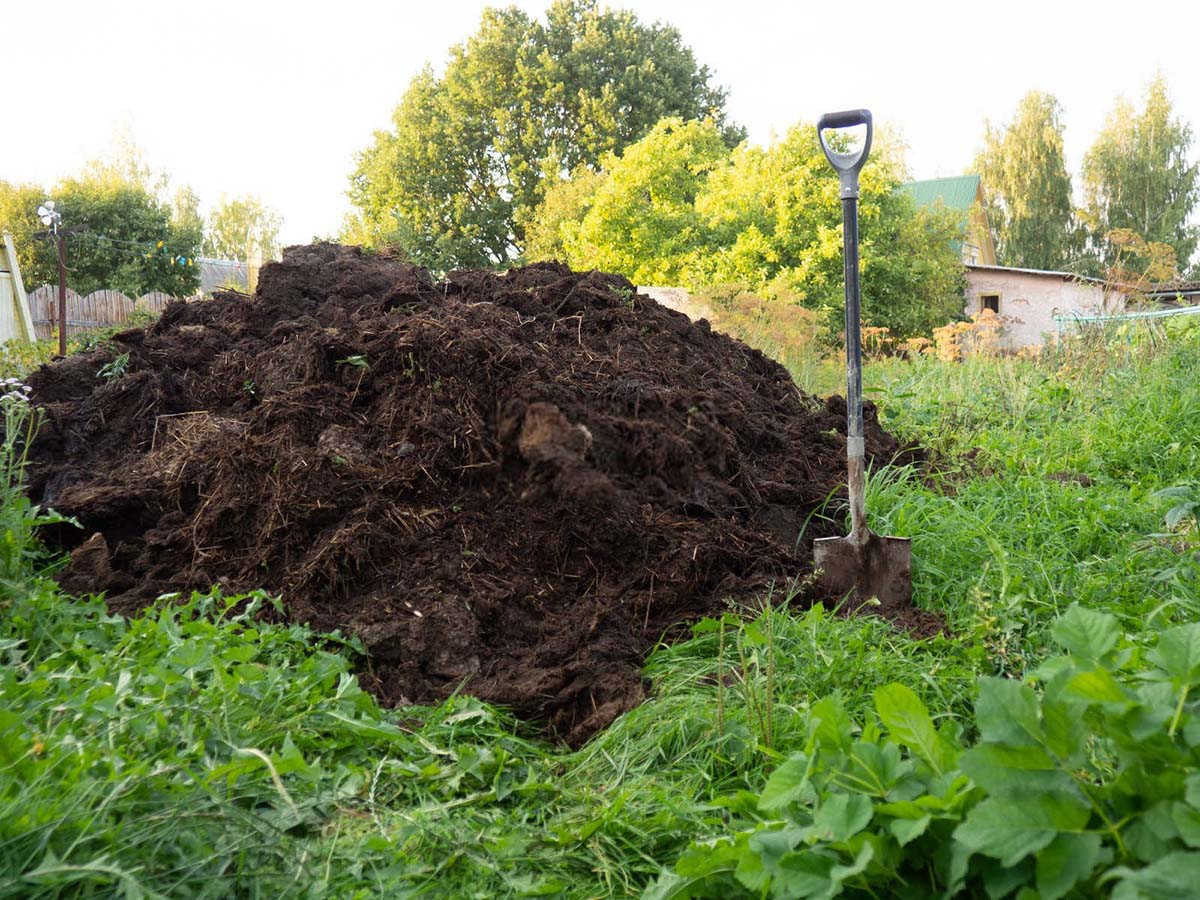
pixel 19 357
pixel 566 202
pixel 679 208
pixel 643 220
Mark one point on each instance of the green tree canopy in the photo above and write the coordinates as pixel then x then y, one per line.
pixel 185 211
pixel 241 227
pixel 127 242
pixel 18 215
pixel 520 105
pixel 565 203
pixel 1026 188
pixel 124 234
pixel 642 220
pixel 1137 176
pixel 677 207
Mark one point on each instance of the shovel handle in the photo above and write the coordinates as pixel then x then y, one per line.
pixel 847 165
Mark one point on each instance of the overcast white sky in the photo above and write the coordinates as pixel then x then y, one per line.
pixel 275 98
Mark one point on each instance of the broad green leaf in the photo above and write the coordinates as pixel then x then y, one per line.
pixel 876 768
pixel 740 803
pixel 772 844
pixel 834 725
pixel 905 830
pixel 290 759
pixel 1159 820
pixel 861 859
pixel 954 859
pixel 1052 669
pixel 1015 771
pixel 705 858
pixel 1097 686
pixel 1001 880
pixel 670 886
pixel 1060 721
pixel 1174 875
pixel 1086 633
pixel 1187 820
pixel 1154 709
pixel 760 862
pixel 1066 861
pixel 1144 843
pixel 1009 830
pixel 805 874
pixel 909 723
pixel 751 871
pixel 840 817
pixel 1178 654
pixel 902 809
pixel 1006 712
pixel 1193 789
pixel 786 784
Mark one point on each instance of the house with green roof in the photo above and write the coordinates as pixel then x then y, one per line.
pixel 1027 301
pixel 963 194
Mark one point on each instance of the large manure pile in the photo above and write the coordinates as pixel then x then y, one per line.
pixel 511 484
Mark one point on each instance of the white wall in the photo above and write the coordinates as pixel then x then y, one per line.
pixel 1031 300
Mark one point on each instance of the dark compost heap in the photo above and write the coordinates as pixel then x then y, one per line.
pixel 511 483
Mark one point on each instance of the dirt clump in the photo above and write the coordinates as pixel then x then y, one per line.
pixel 509 484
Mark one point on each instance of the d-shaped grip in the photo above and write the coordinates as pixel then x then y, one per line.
pixel 847 164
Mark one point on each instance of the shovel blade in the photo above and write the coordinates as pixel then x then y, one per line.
pixel 878 568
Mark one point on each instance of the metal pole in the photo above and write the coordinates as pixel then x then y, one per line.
pixel 62 295
pixel 855 444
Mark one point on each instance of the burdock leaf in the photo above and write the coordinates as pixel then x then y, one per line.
pixel 909 723
pixel 1009 830
pixel 1086 633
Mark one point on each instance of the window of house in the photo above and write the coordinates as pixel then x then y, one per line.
pixel 990 301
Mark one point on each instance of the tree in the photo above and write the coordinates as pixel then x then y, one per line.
pixel 678 207
pixel 520 105
pixel 126 241
pixel 124 234
pixel 564 204
pixel 1137 176
pixel 125 163
pixel 185 212
pixel 642 220
pixel 1027 191
pixel 241 227
pixel 18 215
pixel 774 219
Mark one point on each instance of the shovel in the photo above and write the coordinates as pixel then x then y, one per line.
pixel 862 564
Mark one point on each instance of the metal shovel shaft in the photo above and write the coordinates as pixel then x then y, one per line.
pixel 855 444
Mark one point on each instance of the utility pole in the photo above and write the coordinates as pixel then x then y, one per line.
pixel 50 218
pixel 61 240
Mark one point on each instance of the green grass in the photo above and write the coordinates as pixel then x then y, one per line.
pixel 195 752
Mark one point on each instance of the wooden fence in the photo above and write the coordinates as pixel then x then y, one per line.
pixel 99 309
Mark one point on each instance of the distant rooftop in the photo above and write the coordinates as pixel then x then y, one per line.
pixel 958 192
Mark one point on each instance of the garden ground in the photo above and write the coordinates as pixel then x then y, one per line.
pixel 193 751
